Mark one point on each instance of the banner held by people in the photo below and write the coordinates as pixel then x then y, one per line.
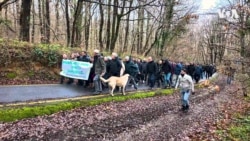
pixel 76 69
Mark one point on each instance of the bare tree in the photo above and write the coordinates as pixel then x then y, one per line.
pixel 125 46
pixel 67 21
pixel 33 23
pixel 101 25
pixel 25 20
pixel 47 21
pixel 77 25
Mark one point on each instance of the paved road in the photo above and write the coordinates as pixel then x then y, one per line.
pixel 22 93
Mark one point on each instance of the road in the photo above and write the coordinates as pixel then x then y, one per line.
pixel 23 93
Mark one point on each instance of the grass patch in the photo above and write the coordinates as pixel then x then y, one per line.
pixel 240 131
pixel 11 75
pixel 9 114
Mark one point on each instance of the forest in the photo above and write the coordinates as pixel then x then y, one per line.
pixel 34 34
pixel 131 26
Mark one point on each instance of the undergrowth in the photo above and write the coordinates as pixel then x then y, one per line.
pixel 240 130
pixel 9 114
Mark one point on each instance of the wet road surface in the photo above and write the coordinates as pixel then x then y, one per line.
pixel 22 93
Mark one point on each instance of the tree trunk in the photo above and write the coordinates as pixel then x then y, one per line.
pixel 41 21
pixel 6 19
pixel 47 22
pixel 116 24
pixel 153 44
pixel 33 23
pixel 77 25
pixel 44 21
pixel 67 21
pixel 108 26
pixel 17 17
pixel 101 26
pixel 25 20
pixel 140 29
pixel 125 46
pixel 87 22
pixel 57 21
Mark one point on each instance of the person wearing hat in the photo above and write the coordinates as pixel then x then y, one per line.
pixel 99 69
pixel 185 82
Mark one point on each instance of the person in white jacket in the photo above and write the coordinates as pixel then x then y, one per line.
pixel 185 82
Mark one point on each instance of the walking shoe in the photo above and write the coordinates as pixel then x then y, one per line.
pixel 135 86
pixel 97 92
pixel 186 108
pixel 182 108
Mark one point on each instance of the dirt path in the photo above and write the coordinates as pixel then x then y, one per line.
pixel 154 118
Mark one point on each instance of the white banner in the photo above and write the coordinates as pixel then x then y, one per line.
pixel 76 69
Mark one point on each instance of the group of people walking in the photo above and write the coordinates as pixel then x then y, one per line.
pixel 163 73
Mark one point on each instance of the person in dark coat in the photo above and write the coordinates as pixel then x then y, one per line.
pixel 159 76
pixel 177 72
pixel 139 77
pixel 64 56
pixel 115 65
pixel 84 58
pixel 191 70
pixel 166 68
pixel 108 68
pixel 144 70
pixel 151 72
pixel 132 69
pixel 100 69
pixel 197 73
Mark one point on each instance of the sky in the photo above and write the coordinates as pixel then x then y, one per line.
pixel 208 4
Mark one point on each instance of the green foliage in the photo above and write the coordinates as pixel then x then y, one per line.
pixel 38 53
pixel 241 130
pixel 11 75
pixel 52 58
pixel 8 114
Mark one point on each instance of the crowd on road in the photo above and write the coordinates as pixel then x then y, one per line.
pixel 161 73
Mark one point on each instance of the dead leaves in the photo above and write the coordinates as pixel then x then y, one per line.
pixel 112 119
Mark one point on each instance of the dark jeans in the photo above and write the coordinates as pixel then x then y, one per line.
pixel 131 79
pixel 151 80
pixel 97 83
pixel 197 77
pixel 159 80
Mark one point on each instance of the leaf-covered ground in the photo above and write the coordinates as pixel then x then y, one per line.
pixel 156 118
